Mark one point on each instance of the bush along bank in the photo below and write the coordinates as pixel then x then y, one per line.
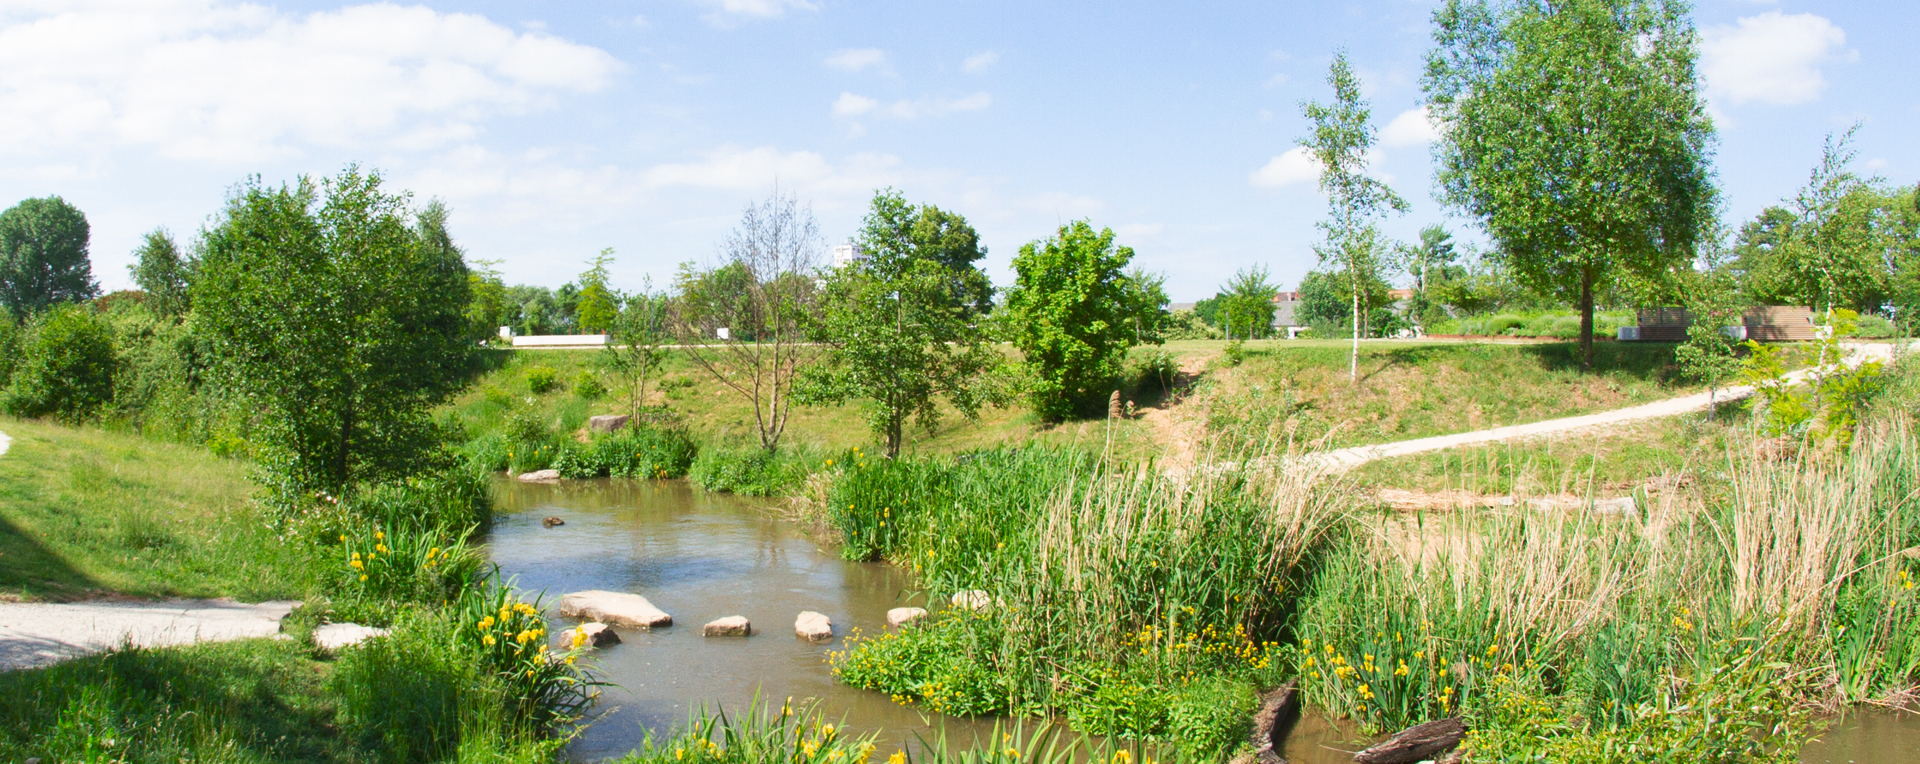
pixel 1705 624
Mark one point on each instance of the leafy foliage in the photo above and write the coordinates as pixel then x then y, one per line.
pixel 43 256
pixel 1577 135
pixel 1074 311
pixel 342 313
pixel 598 306
pixel 65 368
pixel 162 273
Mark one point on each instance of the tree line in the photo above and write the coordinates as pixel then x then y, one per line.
pixel 314 325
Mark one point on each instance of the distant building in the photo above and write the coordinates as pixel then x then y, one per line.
pixel 1286 314
pixel 845 254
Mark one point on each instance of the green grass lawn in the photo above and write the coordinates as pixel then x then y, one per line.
pixel 84 512
pixel 1418 389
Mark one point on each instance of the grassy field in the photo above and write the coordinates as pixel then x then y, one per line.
pixel 85 512
pixel 1301 390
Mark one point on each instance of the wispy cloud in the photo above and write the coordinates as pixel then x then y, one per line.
pixel 1413 127
pixel 856 59
pixel 980 62
pixel 851 105
pixel 1772 58
pixel 726 12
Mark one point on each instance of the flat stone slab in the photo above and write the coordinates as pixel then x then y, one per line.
pixel 34 634
pixel 336 636
pixel 540 476
pixel 596 635
pixel 972 599
pixel 813 627
pixel 607 422
pixel 614 608
pixel 902 616
pixel 730 626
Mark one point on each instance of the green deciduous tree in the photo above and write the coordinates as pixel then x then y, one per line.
pixel 1244 309
pixel 1073 312
pixel 43 256
pixel 162 273
pixel 340 312
pixel 1839 246
pixel 1574 131
pixel 639 343
pixel 490 307
pixel 1430 262
pixel 598 306
pixel 66 366
pixel 903 324
pixel 896 232
pixel 1343 133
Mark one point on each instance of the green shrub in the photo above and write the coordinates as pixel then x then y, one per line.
pixel 542 379
pixel 1211 716
pixel 588 386
pixel 1118 703
pixel 647 452
pixel 541 688
pixel 948 664
pixel 407 565
pixel 1151 372
pixel 400 695
pixel 66 366
pixel 458 498
pixel 745 471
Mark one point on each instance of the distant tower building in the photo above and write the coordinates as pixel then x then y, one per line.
pixel 845 254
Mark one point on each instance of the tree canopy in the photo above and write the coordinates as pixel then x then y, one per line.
pixel 162 273
pixel 896 232
pixel 340 310
pixel 1575 132
pixel 43 256
pixel 1073 312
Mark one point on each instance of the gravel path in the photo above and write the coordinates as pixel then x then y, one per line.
pixel 34 634
pixel 1348 458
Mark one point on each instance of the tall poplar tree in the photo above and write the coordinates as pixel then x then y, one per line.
pixel 1574 130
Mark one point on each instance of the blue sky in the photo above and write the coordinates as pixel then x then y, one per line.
pixel 554 131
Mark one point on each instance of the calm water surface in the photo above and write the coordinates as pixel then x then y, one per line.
pixel 701 556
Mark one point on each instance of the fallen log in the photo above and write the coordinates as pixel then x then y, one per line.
pixel 1420 742
pixel 1279 711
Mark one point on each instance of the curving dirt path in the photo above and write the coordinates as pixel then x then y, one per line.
pixel 34 634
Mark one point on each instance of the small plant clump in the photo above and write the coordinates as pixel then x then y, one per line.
pixel 542 379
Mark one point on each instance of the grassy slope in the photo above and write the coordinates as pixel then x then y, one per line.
pixel 1418 389
pixel 717 415
pixel 86 511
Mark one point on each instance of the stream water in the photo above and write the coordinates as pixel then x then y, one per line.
pixel 701 556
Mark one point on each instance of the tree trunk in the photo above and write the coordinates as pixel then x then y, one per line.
pixel 1586 320
pixel 1353 361
pixel 346 441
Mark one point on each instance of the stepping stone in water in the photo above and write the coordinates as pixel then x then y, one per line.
pixel 730 626
pixel 902 616
pixel 597 635
pixel 614 608
pixel 813 627
pixel 335 636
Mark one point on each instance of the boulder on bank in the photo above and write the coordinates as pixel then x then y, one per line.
pixel 596 635
pixel 972 599
pixel 902 616
pixel 607 422
pixel 813 627
pixel 730 626
pixel 336 636
pixel 614 608
pixel 1420 742
pixel 540 476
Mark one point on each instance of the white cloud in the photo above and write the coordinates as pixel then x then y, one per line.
pixel 1277 80
pixel 1412 127
pixel 979 62
pixel 239 82
pixel 850 105
pixel 1295 166
pixel 1771 58
pixel 726 11
pixel 855 59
